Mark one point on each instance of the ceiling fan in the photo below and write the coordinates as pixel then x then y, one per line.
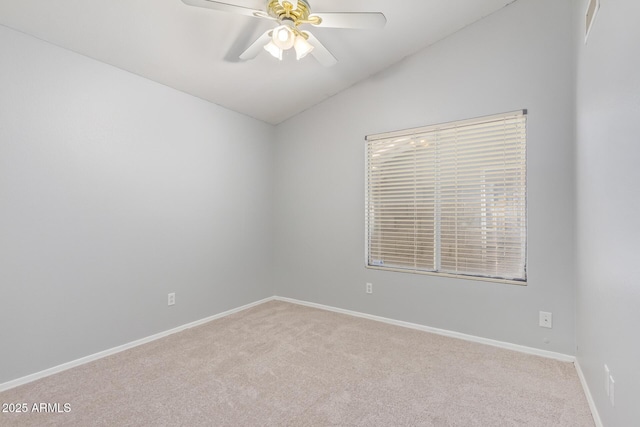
pixel 290 15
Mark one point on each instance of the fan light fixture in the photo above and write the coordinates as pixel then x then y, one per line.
pixel 290 15
pixel 274 50
pixel 285 37
pixel 302 46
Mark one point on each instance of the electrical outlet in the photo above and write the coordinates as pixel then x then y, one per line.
pixel 369 288
pixel 611 389
pixel 546 319
pixel 606 379
pixel 171 299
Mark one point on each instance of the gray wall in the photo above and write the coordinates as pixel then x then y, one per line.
pixel 519 57
pixel 114 191
pixel 608 206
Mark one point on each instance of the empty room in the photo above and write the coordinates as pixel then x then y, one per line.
pixel 319 213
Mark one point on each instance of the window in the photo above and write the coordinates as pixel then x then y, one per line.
pixel 449 199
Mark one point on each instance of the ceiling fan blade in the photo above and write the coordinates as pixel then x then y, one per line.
pixel 256 47
pixel 230 8
pixel 320 52
pixel 363 20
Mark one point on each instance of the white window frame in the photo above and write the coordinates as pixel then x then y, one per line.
pixel 413 134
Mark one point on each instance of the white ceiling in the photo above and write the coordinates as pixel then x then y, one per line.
pixel 195 50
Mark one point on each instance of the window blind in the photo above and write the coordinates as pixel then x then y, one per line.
pixel 449 198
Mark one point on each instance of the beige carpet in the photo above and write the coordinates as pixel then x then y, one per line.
pixel 281 364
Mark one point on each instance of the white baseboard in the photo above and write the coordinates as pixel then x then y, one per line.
pixel 587 392
pixel 509 346
pixel 47 372
pixel 505 345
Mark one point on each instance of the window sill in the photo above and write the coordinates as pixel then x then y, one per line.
pixel 452 276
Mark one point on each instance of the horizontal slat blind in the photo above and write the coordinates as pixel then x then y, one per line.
pixel 450 198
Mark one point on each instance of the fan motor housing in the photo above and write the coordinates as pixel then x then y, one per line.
pixel 281 12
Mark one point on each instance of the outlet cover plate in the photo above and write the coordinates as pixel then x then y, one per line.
pixel 546 319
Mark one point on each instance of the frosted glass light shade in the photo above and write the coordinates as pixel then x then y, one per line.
pixel 274 50
pixel 302 46
pixel 283 37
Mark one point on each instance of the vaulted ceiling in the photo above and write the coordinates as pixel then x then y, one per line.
pixel 196 50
